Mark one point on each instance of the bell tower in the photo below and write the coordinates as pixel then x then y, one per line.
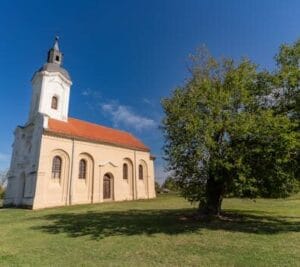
pixel 51 87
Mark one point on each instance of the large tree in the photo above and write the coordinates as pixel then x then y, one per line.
pixel 222 135
pixel 287 81
pixel 287 86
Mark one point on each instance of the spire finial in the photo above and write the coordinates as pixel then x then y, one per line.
pixel 56 47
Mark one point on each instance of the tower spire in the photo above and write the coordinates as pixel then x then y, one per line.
pixel 55 46
pixel 54 60
pixel 54 54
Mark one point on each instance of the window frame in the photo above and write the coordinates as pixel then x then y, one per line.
pixel 54 102
pixel 57 163
pixel 125 171
pixel 82 174
pixel 141 172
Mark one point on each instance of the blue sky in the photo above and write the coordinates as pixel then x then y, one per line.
pixel 124 56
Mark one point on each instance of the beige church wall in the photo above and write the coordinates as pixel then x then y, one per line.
pixel 82 188
pixel 142 184
pixel 50 191
pixel 127 186
pixel 101 159
pixel 146 187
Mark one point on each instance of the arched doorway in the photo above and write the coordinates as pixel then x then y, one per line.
pixel 107 187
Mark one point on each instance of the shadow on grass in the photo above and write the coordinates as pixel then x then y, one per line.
pixel 99 225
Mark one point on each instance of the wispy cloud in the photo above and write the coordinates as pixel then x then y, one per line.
pixel 150 102
pixel 91 93
pixel 120 115
pixel 124 116
pixel 147 101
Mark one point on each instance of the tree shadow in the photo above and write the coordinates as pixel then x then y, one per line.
pixel 99 225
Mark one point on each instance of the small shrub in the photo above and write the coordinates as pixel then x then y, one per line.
pixel 157 188
pixel 2 191
pixel 170 185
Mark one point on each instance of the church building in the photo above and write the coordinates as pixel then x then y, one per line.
pixel 58 160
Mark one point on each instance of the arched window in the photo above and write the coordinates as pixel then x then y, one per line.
pixel 56 167
pixel 54 102
pixel 141 172
pixel 82 169
pixel 125 171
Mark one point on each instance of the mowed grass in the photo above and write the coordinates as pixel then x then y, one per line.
pixel 153 233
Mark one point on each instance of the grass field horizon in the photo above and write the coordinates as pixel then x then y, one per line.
pixel 265 232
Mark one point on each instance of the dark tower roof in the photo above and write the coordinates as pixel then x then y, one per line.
pixel 54 61
pixel 54 55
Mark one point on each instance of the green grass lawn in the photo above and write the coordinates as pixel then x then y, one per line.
pixel 153 233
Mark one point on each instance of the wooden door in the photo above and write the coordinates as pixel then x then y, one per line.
pixel 107 187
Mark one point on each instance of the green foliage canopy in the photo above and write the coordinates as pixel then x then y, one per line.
pixel 221 136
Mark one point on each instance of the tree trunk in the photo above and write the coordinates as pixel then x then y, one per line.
pixel 214 197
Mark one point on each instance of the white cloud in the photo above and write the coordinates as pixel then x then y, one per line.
pixel 123 115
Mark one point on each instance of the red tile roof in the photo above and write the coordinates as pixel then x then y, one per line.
pixel 87 131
